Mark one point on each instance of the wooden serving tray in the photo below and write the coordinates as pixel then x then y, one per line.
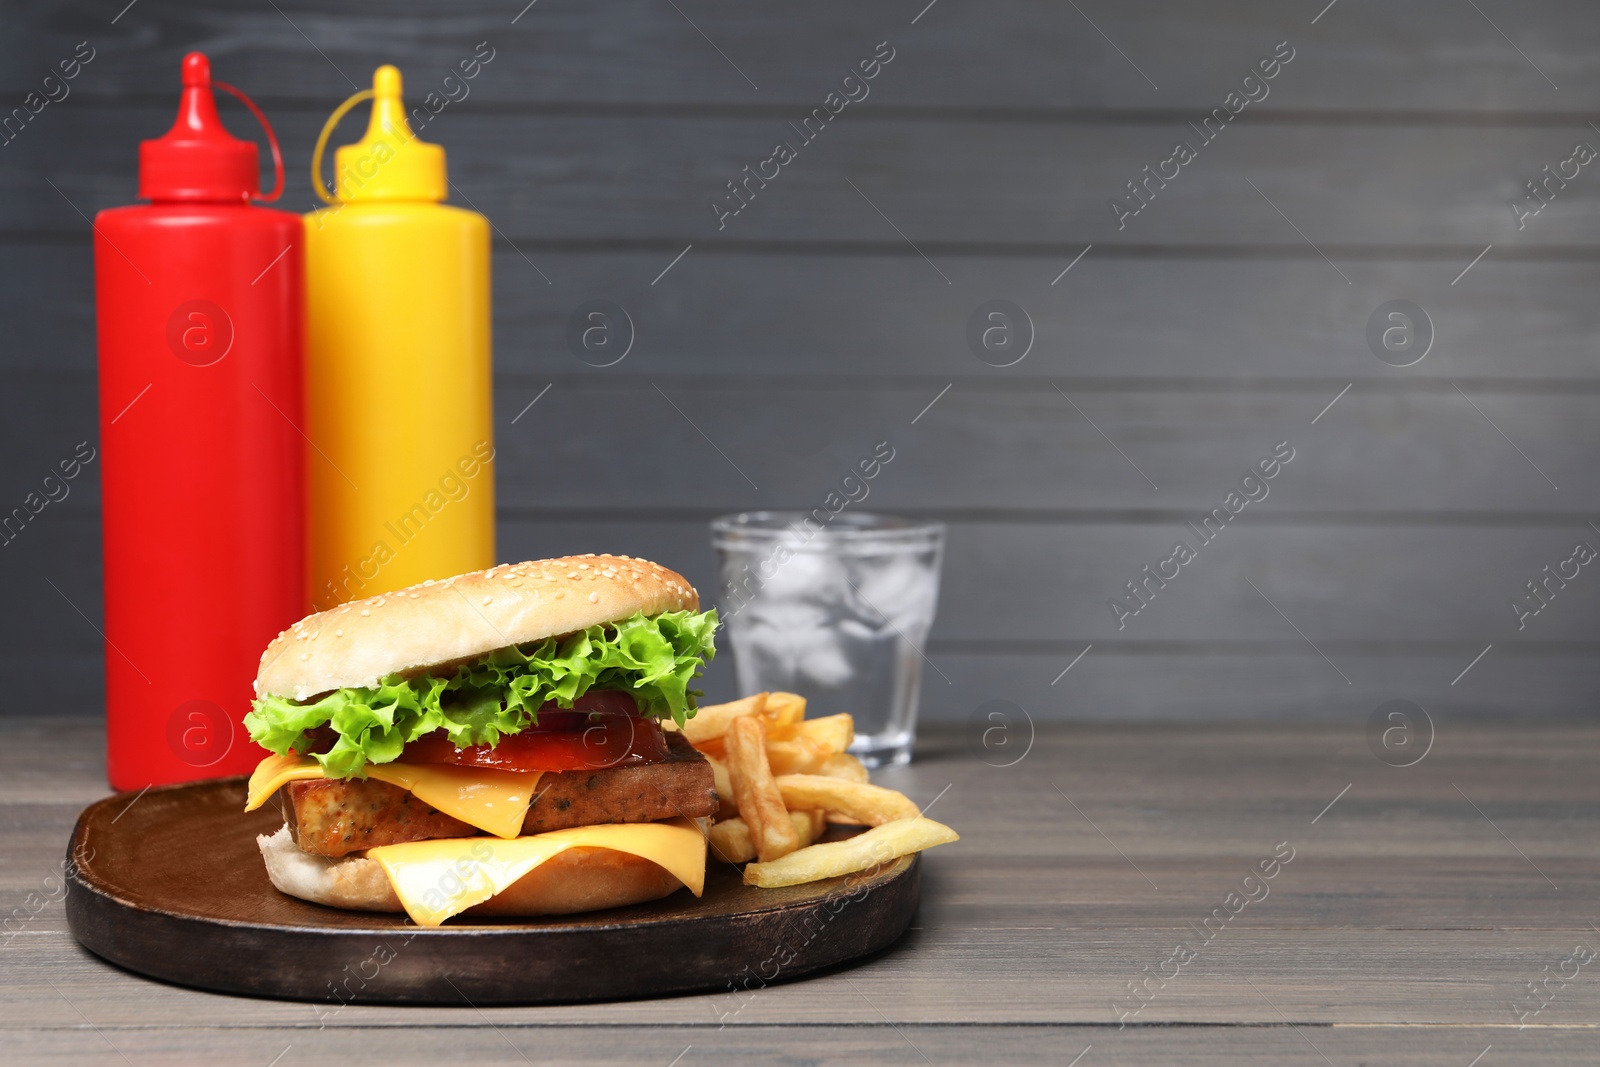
pixel 171 884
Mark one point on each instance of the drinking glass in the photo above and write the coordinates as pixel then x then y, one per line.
pixel 837 611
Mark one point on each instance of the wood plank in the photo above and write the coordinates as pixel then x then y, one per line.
pixel 1143 319
pixel 1200 680
pixel 1041 448
pixel 1341 892
pixel 1056 450
pixel 875 1043
pixel 1148 324
pixel 1401 903
pixel 1429 54
pixel 1208 648
pixel 1346 188
pixel 1029 582
pixel 1440 873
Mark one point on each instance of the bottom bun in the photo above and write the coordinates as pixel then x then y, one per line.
pixel 579 879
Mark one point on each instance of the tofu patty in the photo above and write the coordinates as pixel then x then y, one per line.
pixel 334 817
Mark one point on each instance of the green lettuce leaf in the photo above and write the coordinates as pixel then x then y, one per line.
pixel 652 658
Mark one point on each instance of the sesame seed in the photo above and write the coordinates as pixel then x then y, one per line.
pixel 365 613
pixel 427 581
pixel 488 600
pixel 560 593
pixel 583 566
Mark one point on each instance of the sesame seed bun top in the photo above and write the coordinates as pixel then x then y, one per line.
pixel 461 618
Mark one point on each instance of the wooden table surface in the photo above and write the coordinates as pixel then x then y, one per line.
pixel 1408 913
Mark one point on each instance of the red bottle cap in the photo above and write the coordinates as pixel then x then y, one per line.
pixel 198 159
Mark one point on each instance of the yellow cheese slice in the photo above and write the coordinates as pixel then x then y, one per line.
pixel 437 879
pixel 491 800
pixel 494 801
pixel 275 772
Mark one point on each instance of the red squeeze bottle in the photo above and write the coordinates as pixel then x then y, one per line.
pixel 200 302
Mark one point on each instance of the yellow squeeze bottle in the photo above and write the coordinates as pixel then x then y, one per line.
pixel 398 384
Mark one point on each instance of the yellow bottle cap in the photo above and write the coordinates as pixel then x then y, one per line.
pixel 389 163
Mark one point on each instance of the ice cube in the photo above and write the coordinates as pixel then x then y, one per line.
pixel 900 588
pixel 794 638
pixel 808 575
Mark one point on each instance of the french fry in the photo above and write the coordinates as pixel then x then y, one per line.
pixel 862 852
pixel 781 731
pixel 782 779
pixel 782 712
pixel 760 803
pixel 730 839
pixel 803 747
pixel 867 805
pixel 724 788
pixel 719 775
pixel 712 721
pixel 798 756
pixel 833 732
pixel 806 826
pixel 785 709
pixel 843 766
pixel 850 769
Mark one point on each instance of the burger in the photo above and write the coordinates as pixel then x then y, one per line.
pixel 503 742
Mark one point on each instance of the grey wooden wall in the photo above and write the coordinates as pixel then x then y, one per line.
pixel 1220 320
